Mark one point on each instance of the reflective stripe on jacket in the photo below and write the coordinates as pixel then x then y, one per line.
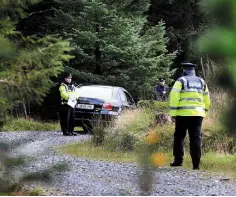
pixel 189 97
pixel 67 91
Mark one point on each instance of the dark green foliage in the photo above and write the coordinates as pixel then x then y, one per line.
pixel 98 135
pixel 220 43
pixel 127 142
pixel 124 142
pixel 157 106
pixel 113 45
pixel 113 41
pixel 97 127
pixel 37 20
pixel 185 21
pixel 26 63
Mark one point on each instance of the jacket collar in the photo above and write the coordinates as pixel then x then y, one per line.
pixel 189 72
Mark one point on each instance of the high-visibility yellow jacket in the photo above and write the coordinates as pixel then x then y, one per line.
pixel 189 97
pixel 67 91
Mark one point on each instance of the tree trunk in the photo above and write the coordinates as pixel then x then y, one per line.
pixel 98 69
pixel 24 108
pixel 29 109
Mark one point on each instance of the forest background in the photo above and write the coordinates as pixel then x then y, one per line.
pixel 123 43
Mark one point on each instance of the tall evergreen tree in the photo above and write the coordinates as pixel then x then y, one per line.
pixel 26 63
pixel 113 41
pixel 185 21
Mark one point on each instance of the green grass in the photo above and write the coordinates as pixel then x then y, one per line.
pixel 34 192
pixel 22 124
pixel 137 123
pixel 212 162
pixel 158 106
pixel 221 163
pixel 87 150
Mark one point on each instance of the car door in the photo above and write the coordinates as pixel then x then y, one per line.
pixel 130 101
pixel 124 103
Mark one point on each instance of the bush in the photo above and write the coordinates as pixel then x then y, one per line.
pixel 220 142
pixel 127 142
pixel 133 122
pixel 154 105
pixel 98 135
pixel 139 122
pixel 121 135
pixel 124 142
pixel 129 130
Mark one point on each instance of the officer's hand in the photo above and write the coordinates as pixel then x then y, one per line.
pixel 173 118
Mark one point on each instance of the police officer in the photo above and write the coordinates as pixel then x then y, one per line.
pixel 189 103
pixel 67 91
pixel 160 89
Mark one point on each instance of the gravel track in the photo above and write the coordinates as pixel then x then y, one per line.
pixel 90 177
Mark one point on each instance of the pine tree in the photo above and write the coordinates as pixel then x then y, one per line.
pixel 113 41
pixel 26 63
pixel 184 21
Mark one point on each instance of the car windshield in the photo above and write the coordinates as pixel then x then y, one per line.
pixel 95 92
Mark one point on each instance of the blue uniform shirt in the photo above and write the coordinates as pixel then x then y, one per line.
pixel 160 89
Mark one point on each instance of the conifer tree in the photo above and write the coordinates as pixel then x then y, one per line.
pixel 26 63
pixel 113 41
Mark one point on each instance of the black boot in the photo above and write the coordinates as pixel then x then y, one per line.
pixel 66 133
pixel 176 162
pixel 196 165
pixel 73 134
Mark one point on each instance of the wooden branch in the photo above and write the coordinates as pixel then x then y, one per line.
pixel 3 81
pixel 10 83
pixel 39 12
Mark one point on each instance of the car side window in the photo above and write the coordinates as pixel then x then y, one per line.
pixel 122 96
pixel 119 97
pixel 129 98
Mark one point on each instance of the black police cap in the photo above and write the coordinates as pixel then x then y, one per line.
pixel 188 65
pixel 161 79
pixel 67 74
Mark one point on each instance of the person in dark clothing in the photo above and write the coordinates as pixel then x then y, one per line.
pixel 67 91
pixel 189 103
pixel 160 90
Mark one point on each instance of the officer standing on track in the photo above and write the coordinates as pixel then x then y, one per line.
pixel 189 103
pixel 67 91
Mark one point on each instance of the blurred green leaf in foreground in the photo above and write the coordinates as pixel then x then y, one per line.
pixel 220 44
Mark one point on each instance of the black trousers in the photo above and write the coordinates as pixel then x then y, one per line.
pixel 193 124
pixel 67 114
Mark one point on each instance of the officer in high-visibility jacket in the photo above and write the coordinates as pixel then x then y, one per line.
pixel 189 103
pixel 67 91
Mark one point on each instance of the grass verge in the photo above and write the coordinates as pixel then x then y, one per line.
pixel 21 124
pixel 34 192
pixel 130 129
pixel 134 129
pixel 87 150
pixel 212 162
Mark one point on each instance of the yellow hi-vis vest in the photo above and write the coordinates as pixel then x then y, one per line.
pixel 189 97
pixel 67 92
